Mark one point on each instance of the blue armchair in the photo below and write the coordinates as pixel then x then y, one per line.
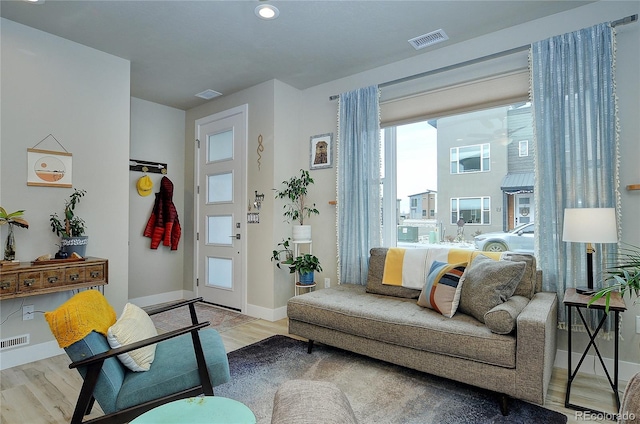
pixel 188 362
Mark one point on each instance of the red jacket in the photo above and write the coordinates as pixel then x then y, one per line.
pixel 163 225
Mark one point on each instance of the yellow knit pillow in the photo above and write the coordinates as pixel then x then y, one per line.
pixel 85 312
pixel 133 326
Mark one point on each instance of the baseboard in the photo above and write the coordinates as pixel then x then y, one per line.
pixel 162 298
pixel 591 365
pixel 14 357
pixel 266 313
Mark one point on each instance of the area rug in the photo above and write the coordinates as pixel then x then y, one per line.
pixel 379 392
pixel 220 319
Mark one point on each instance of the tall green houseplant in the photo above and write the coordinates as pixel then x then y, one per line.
pixel 296 209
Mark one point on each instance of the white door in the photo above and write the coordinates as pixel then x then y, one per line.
pixel 220 199
pixel 524 208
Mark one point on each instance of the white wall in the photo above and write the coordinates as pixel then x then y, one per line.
pixel 80 95
pixel 157 134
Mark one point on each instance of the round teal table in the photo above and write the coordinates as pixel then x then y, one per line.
pixel 195 410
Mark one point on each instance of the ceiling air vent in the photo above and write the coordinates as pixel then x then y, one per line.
pixel 428 39
pixel 208 94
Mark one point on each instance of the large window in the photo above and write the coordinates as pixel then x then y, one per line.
pixel 470 159
pixel 476 163
pixel 472 210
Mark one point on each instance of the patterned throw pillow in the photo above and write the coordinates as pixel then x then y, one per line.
pixel 441 292
pixel 133 326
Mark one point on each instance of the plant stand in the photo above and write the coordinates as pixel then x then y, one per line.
pixel 296 253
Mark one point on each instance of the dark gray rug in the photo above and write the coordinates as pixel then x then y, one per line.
pixel 379 392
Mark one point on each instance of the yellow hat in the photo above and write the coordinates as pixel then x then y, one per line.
pixel 144 186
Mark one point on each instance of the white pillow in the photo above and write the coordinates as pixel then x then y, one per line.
pixel 133 326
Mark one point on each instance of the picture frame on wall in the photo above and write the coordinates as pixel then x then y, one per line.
pixel 321 152
pixel 47 168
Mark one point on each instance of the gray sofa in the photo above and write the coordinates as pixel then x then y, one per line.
pixel 387 323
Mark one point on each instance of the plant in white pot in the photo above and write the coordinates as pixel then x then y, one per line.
pixel 71 228
pixel 295 191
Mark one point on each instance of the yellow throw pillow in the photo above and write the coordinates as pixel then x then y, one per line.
pixel 133 326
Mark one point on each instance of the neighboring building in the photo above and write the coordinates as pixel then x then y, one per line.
pixel 423 205
pixel 518 184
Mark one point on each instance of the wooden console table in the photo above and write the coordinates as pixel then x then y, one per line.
pixel 30 279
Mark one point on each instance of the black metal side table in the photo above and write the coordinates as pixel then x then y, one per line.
pixel 579 302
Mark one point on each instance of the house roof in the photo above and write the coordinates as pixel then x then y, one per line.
pixel 514 182
pixel 180 48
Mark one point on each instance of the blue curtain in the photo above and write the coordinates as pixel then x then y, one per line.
pixel 574 104
pixel 358 182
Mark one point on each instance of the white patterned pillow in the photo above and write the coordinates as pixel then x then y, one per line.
pixel 133 326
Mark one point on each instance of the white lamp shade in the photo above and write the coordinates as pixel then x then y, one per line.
pixel 590 225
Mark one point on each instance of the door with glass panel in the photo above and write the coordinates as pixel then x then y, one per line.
pixel 220 204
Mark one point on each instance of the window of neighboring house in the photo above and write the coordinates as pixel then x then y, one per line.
pixel 470 159
pixel 424 213
pixel 472 210
pixel 523 148
pixel 414 203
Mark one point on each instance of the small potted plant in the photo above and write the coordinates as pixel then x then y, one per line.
pixel 283 249
pixel 305 265
pixel 11 219
pixel 71 228
pixel 295 191
pixel 625 276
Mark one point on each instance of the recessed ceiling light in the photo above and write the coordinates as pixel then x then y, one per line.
pixel 267 11
pixel 35 1
pixel 208 94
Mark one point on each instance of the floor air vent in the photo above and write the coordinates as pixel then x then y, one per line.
pixel 428 39
pixel 14 342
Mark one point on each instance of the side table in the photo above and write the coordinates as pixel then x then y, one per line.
pixel 196 410
pixel 580 302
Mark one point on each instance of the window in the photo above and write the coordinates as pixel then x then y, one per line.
pixel 470 159
pixel 523 148
pixel 472 210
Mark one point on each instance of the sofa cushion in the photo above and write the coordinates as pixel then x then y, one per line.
pixel 441 292
pixel 350 309
pixel 487 283
pixel 502 318
pixel 376 271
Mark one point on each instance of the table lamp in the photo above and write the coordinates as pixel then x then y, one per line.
pixel 589 225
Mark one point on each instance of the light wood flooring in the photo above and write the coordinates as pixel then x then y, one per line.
pixel 45 391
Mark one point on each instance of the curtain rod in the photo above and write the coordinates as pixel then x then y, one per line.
pixel 623 21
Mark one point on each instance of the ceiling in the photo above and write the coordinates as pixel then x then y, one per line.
pixel 180 48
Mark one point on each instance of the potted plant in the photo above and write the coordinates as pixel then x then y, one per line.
pixel 71 228
pixel 11 219
pixel 625 276
pixel 304 265
pixel 285 250
pixel 295 191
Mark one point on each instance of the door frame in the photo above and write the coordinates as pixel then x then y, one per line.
pixel 243 109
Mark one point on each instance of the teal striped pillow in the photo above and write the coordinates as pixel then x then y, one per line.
pixel 441 291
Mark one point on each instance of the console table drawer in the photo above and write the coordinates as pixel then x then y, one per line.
pixel 8 284
pixel 94 273
pixel 74 275
pixel 29 281
pixel 53 278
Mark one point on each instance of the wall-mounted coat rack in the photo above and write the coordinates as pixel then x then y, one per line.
pixel 146 166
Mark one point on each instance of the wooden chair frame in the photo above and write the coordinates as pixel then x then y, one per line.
pixel 94 365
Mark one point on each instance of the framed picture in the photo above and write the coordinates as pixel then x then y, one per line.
pixel 321 151
pixel 48 168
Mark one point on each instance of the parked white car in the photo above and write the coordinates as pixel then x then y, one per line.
pixel 520 239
